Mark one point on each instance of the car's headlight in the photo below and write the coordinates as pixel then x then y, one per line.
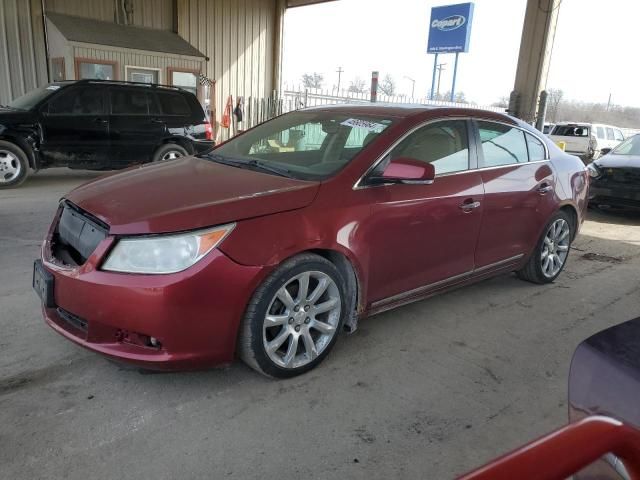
pixel 167 253
pixel 593 171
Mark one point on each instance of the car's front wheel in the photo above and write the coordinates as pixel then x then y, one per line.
pixel 14 165
pixel 294 317
pixel 551 252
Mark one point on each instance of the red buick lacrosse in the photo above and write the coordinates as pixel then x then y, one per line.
pixel 270 245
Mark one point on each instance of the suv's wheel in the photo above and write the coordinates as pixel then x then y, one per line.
pixel 294 317
pixel 14 165
pixel 551 252
pixel 169 151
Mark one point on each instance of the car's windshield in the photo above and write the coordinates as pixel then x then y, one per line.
pixel 630 146
pixel 33 98
pixel 310 145
pixel 571 131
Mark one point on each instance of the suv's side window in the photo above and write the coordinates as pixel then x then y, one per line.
pixel 173 104
pixel 132 102
pixel 443 144
pixel 618 135
pixel 600 132
pixel 78 101
pixel 502 144
pixel 610 135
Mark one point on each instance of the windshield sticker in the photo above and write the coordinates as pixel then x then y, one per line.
pixel 53 87
pixel 357 123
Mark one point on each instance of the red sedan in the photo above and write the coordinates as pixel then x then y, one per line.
pixel 277 240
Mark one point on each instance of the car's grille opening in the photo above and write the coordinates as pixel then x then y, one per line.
pixel 73 320
pixel 77 235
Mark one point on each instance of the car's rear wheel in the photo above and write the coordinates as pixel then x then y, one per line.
pixel 294 317
pixel 169 151
pixel 14 165
pixel 551 252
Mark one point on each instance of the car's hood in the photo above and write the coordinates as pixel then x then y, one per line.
pixel 186 194
pixel 13 116
pixel 612 160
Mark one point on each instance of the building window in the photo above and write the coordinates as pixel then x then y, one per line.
pixel 57 69
pixel 185 79
pixel 142 75
pixel 95 69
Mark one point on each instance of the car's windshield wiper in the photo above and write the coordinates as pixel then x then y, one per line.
pixel 8 107
pixel 243 163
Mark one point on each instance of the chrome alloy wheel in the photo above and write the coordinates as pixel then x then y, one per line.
pixel 172 155
pixel 302 319
pixel 556 248
pixel 10 166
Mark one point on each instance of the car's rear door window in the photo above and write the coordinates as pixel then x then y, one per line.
pixel 536 148
pixel 443 144
pixel 501 144
pixel 600 133
pixel 172 103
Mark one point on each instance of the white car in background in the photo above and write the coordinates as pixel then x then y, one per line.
pixel 586 140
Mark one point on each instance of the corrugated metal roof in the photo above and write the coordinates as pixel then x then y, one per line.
pixel 86 30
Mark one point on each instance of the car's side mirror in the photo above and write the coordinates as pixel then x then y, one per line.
pixel 405 170
pixel 604 151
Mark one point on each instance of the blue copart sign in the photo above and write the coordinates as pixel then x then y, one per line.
pixel 450 28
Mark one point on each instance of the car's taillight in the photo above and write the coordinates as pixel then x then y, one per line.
pixel 208 131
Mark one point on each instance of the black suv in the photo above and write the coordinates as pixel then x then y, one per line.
pixel 98 125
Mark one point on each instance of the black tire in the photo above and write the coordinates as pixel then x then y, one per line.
pixel 250 341
pixel 12 158
pixel 533 271
pixel 167 149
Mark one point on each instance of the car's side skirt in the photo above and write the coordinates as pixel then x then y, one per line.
pixel 440 286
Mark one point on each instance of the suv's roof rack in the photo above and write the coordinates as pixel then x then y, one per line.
pixel 125 82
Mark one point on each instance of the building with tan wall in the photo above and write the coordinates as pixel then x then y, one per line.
pixel 237 44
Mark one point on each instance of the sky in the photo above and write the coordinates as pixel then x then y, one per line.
pixel 591 54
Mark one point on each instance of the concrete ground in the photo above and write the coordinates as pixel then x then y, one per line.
pixel 426 391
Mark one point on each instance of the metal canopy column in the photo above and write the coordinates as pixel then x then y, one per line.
pixel 536 45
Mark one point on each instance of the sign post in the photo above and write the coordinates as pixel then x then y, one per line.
pixel 374 86
pixel 449 32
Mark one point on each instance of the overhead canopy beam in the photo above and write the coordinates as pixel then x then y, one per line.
pixel 536 45
pixel 302 3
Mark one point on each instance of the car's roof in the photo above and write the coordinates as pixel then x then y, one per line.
pixel 408 110
pixel 118 83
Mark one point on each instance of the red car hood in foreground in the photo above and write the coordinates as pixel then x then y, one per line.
pixel 187 194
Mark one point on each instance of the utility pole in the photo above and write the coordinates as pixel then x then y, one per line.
pixel 440 68
pixel 609 102
pixel 339 72
pixel 413 85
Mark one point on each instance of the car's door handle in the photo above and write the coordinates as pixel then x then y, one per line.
pixel 469 205
pixel 544 188
pixel 100 120
pixel 156 120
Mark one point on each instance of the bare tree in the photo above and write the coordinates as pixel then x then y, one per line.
pixel 357 86
pixel 388 85
pixel 312 80
pixel 502 102
pixel 554 98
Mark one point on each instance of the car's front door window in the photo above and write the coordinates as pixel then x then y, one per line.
pixel 443 144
